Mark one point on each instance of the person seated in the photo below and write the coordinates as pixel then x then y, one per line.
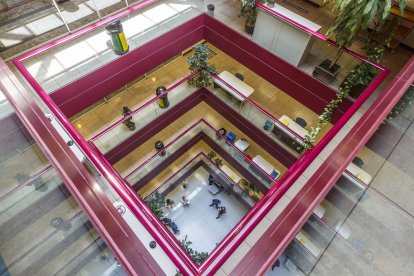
pixel 166 221
pixel 169 203
pixel 174 227
pixel 210 180
pixel 185 201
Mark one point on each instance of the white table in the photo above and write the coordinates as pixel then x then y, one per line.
pixel 242 145
pixel 292 125
pixel 359 173
pixel 232 175
pixel 265 166
pixel 243 88
pixel 283 39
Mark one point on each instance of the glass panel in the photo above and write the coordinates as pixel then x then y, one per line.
pixel 73 59
pixel 42 229
pixel 180 200
pixel 284 130
pixel 24 22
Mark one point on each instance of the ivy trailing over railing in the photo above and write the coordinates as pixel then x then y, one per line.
pixel 198 257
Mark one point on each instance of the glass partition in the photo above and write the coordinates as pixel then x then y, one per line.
pixel 284 130
pixel 265 176
pixel 42 228
pixel 124 128
pixel 61 64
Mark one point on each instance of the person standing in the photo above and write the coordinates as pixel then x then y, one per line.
pixel 222 211
pixel 169 203
pixel 185 201
pixel 215 202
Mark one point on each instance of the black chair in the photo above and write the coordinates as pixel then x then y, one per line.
pixel 239 76
pixel 358 161
pixel 301 122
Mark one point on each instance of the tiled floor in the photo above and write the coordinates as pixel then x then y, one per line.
pixel 198 221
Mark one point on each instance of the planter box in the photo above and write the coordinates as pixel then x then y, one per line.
pixel 323 73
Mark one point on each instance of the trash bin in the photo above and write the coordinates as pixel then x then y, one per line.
pixel 162 101
pixel 159 146
pixel 115 30
pixel 210 9
pixel 221 133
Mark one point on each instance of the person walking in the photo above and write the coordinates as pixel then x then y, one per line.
pixel 185 201
pixel 222 211
pixel 215 202
pixel 169 203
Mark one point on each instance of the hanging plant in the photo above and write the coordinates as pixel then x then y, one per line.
pixel 218 162
pixel 198 257
pixel 402 104
pixel 156 203
pixel 354 16
pixel 199 63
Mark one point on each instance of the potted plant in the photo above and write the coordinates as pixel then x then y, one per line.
pixel 199 65
pixel 211 154
pixel 364 73
pixel 198 257
pixel 249 11
pixel 352 16
pixel 218 162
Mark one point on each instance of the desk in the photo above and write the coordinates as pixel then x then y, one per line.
pixel 236 83
pixel 242 145
pixel 232 175
pixel 291 124
pixel 359 173
pixel 288 137
pixel 214 189
pixel 265 166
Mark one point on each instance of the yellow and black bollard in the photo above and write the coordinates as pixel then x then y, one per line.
pixel 115 30
pixel 162 101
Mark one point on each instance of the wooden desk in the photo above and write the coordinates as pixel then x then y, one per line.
pixel 236 83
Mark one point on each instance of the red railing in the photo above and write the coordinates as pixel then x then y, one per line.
pixel 184 133
pixel 260 109
pixel 135 111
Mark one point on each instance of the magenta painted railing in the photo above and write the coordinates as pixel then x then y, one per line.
pixel 239 151
pixel 33 177
pixel 188 163
pixel 173 175
pixel 165 148
pixel 254 216
pixel 181 135
pixel 135 111
pixel 84 30
pixel 260 109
